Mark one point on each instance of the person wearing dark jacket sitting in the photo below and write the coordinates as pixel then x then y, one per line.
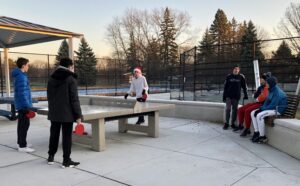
pixel 22 102
pixel 64 109
pixel 244 112
pixel 276 98
pixel 231 95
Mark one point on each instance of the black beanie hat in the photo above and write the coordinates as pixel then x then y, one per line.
pixel 66 62
pixel 266 75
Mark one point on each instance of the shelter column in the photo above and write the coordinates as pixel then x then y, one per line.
pixel 6 66
pixel 70 43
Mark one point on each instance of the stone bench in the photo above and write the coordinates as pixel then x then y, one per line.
pixel 285 136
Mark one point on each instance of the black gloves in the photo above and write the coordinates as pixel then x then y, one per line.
pixel 144 92
pixel 126 95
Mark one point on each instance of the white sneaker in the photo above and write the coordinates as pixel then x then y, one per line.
pixel 25 149
pixel 28 145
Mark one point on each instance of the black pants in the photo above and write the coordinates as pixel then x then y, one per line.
pixel 231 103
pixel 140 118
pixel 23 126
pixel 66 138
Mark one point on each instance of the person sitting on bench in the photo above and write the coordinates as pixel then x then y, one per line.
pixel 276 98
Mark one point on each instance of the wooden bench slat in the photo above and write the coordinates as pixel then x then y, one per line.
pixel 289 112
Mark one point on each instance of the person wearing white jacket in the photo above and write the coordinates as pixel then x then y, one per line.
pixel 138 85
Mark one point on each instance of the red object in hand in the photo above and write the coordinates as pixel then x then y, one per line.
pixel 144 97
pixel 79 129
pixel 30 114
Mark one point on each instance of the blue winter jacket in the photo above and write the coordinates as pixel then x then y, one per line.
pixel 275 98
pixel 22 92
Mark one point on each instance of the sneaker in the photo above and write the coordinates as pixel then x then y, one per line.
pixel 50 160
pixel 225 127
pixel 28 145
pixel 262 139
pixel 245 132
pixel 139 122
pixel 25 149
pixel 238 129
pixel 69 163
pixel 233 126
pixel 255 135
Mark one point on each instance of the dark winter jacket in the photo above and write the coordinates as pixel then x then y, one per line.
pixel 275 98
pixel 62 94
pixel 258 91
pixel 233 85
pixel 22 94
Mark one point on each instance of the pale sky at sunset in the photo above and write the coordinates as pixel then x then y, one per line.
pixel 91 17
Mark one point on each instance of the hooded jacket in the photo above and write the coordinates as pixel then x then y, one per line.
pixel 275 98
pixel 22 93
pixel 62 94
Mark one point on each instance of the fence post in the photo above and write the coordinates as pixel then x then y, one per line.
pixel 1 75
pixel 195 58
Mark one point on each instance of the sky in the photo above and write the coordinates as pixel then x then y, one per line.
pixel 91 17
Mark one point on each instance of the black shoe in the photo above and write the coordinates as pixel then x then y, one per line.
pixel 245 132
pixel 140 122
pixel 233 126
pixel 50 160
pixel 262 139
pixel 69 163
pixel 225 127
pixel 255 137
pixel 239 128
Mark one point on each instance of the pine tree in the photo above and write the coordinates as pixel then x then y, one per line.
pixel 63 52
pixel 85 64
pixel 153 59
pixel 283 52
pixel 220 31
pixel 169 48
pixel 206 50
pixel 250 44
pixel 132 60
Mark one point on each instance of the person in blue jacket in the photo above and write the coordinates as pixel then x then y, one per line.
pixel 275 103
pixel 23 102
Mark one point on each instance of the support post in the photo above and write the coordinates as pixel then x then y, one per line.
pixel 70 43
pixel 298 88
pixel 7 80
pixel 256 73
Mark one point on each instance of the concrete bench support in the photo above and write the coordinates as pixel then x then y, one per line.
pixel 285 136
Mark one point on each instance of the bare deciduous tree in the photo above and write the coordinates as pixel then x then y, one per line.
pixel 290 25
pixel 142 27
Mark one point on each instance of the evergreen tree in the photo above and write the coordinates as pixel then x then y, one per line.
pixel 250 44
pixel 132 60
pixel 283 52
pixel 85 64
pixel 206 50
pixel 63 52
pixel 153 59
pixel 169 48
pixel 220 31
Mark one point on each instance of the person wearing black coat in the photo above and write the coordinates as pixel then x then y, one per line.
pixel 64 109
pixel 232 92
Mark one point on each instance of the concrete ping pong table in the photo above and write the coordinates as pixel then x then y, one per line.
pixel 96 110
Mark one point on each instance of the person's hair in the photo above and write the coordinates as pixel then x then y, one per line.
pixel 66 62
pixel 235 66
pixel 21 61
